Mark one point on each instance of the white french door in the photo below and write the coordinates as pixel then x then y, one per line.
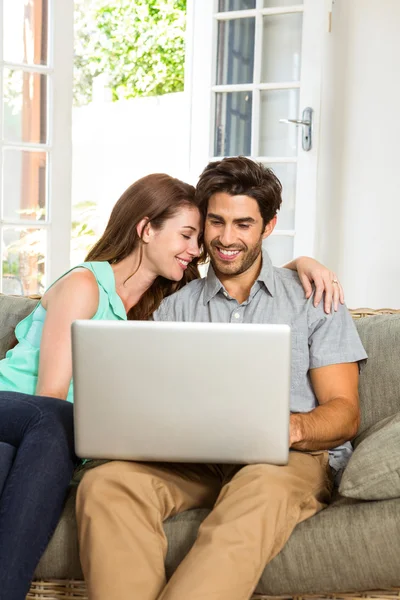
pixel 252 64
pixel 36 62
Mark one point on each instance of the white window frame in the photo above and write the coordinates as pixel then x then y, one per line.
pixel 59 145
pixel 200 85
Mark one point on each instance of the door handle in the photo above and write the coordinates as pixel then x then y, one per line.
pixel 306 122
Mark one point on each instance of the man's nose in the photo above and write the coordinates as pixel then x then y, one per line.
pixel 227 237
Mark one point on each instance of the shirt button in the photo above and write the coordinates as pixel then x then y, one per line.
pixel 237 316
pixel 225 294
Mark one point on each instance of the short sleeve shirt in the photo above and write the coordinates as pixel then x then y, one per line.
pixel 318 339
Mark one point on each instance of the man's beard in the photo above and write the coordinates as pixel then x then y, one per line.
pixel 245 259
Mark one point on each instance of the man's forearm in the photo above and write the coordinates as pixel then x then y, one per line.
pixel 325 427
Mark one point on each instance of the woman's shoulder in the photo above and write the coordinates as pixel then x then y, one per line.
pixel 79 284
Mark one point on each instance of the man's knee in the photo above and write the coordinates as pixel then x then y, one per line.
pixel 111 480
pixel 268 482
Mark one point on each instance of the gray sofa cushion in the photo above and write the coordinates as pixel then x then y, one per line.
pixel 12 310
pixel 323 554
pixel 380 379
pixel 373 472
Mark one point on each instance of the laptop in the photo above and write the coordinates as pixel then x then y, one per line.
pixel 181 392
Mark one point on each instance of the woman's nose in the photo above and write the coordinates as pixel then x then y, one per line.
pixel 194 249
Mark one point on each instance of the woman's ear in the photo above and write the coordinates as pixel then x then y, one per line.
pixel 143 229
pixel 270 227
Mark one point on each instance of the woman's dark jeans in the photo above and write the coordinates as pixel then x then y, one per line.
pixel 41 431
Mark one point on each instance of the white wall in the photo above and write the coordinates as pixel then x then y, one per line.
pixel 116 143
pixel 359 168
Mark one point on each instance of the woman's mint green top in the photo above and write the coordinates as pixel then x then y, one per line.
pixel 19 369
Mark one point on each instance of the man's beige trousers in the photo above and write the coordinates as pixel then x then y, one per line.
pixel 121 507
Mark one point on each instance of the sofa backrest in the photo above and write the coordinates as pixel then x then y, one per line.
pixel 12 310
pixel 380 378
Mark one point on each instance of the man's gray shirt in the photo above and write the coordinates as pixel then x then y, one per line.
pixel 318 339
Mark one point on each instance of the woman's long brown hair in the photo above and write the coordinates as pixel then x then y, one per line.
pixel 157 197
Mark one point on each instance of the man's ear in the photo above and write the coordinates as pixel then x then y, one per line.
pixel 143 229
pixel 270 227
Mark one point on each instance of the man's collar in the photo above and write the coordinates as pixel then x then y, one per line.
pixel 267 273
pixel 266 276
pixel 212 286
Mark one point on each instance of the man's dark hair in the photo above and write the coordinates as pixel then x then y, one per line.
pixel 239 175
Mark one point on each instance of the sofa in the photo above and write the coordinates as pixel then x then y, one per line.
pixel 350 547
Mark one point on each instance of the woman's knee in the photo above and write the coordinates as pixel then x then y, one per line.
pixel 34 409
pixel 56 416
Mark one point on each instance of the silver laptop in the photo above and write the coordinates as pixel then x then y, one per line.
pixel 181 392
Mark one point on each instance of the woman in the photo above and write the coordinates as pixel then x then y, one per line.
pixel 149 249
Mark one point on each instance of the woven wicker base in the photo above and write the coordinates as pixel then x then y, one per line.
pixel 57 589
pixel 73 590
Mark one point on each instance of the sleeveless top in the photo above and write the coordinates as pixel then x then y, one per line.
pixel 20 367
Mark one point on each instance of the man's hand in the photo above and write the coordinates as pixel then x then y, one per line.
pixel 336 419
pixel 295 429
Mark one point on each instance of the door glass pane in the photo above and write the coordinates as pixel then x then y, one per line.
pixel 281 55
pixel 235 55
pixel 277 3
pixel 233 123
pixel 286 173
pixel 25 107
pixel 24 185
pixel 25 31
pixel 278 139
pixel 224 5
pixel 23 260
pixel 279 248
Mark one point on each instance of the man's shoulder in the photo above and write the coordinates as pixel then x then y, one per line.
pixel 289 286
pixel 289 281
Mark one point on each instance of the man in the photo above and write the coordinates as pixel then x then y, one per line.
pixel 255 508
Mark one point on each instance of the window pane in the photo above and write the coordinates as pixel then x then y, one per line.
pixel 235 57
pixel 278 139
pixel 23 260
pixel 25 107
pixel 25 31
pixel 24 185
pixel 287 174
pixel 279 248
pixel 225 5
pixel 281 56
pixel 276 3
pixel 233 124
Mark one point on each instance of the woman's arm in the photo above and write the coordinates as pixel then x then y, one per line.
pixel 75 296
pixel 325 281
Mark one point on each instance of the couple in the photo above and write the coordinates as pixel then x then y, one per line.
pixel 149 250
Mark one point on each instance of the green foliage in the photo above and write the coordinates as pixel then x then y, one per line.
pixel 10 268
pixel 139 46
pixel 85 230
